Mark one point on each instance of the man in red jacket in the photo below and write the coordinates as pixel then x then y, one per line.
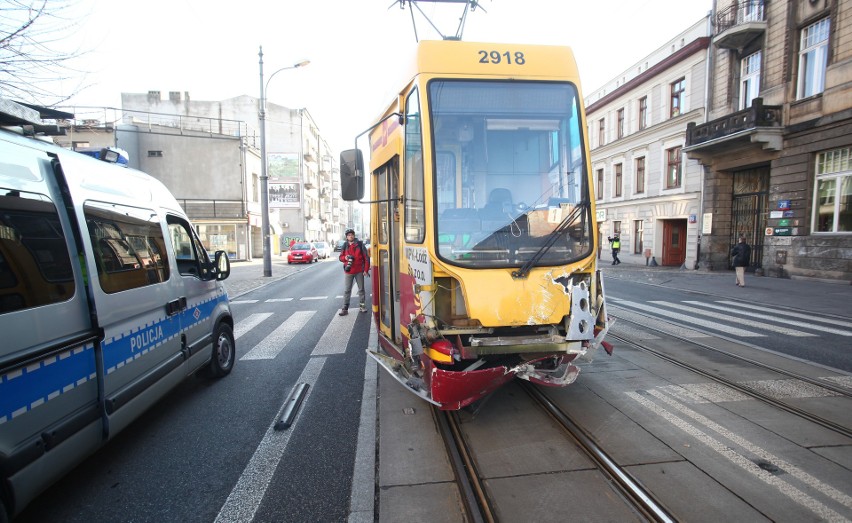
pixel 356 263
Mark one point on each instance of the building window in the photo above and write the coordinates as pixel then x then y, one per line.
pixel 617 185
pixel 600 185
pixel 813 57
pixel 833 194
pixel 620 128
pixel 638 230
pixel 749 79
pixel 673 173
pixel 616 228
pixel 643 112
pixel 640 175
pixel 677 90
pixel 601 132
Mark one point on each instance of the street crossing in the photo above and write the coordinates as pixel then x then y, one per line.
pixel 728 317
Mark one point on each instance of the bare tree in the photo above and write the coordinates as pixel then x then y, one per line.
pixel 33 58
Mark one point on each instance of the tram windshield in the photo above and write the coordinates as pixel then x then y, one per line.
pixel 510 176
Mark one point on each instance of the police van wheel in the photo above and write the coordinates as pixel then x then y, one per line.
pixel 224 351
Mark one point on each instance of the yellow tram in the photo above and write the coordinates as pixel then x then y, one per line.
pixel 482 222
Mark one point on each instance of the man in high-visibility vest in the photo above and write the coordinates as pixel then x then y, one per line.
pixel 615 243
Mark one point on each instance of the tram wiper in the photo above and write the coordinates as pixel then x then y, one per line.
pixel 551 238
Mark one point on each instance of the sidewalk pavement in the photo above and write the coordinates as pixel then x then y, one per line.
pixel 818 296
pixel 799 294
pixel 248 275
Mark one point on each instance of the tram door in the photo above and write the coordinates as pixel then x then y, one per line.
pixel 388 249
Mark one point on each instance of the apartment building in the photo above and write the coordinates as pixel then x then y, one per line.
pixel 777 145
pixel 647 190
pixel 303 184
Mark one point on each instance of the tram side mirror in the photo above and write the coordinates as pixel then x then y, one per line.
pixel 352 175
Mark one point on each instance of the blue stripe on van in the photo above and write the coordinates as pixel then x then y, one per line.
pixel 28 387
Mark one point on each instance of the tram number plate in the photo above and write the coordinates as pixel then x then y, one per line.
pixel 499 57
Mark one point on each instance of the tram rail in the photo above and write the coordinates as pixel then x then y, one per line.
pixel 478 506
pixel 739 387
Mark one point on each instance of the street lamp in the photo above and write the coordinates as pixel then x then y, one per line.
pixel 264 178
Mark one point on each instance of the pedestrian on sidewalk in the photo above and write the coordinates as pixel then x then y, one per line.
pixel 615 243
pixel 741 256
pixel 356 263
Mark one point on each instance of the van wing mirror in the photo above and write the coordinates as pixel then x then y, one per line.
pixel 222 265
pixel 352 175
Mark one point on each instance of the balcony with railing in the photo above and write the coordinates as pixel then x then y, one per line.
pixel 760 124
pixel 740 23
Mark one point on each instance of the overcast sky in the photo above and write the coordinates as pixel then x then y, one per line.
pixel 210 48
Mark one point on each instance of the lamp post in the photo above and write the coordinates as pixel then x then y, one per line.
pixel 264 178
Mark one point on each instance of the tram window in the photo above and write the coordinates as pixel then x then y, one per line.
pixel 35 265
pixel 128 244
pixel 414 204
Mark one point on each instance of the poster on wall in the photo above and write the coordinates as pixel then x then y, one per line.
pixel 283 195
pixel 282 167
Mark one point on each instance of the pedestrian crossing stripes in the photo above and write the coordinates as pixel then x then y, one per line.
pixel 735 319
pixel 273 344
pixel 249 323
pixel 728 317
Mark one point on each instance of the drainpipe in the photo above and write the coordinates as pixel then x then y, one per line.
pixel 708 88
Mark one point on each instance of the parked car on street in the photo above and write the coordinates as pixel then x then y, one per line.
pixel 302 253
pixel 323 249
pixel 339 245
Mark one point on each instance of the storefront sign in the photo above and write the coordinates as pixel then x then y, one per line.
pixel 784 223
pixel 782 231
pixel 788 214
pixel 775 214
pixel 600 215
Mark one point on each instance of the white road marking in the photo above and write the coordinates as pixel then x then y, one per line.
pixel 336 335
pixel 361 498
pixel 780 312
pixel 250 489
pixel 726 451
pixel 249 323
pixel 736 319
pixel 654 323
pixel 307 298
pixel 775 317
pixel 273 344
pixel 278 300
pixel 691 319
pixel 241 302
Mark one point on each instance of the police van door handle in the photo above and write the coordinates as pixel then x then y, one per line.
pixel 175 306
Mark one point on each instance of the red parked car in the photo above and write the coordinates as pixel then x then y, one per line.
pixel 302 253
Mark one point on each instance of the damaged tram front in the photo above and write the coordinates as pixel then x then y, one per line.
pixel 482 222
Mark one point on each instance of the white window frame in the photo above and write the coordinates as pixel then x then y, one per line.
pixel 813 59
pixel 832 166
pixel 749 79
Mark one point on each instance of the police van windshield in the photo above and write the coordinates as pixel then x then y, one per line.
pixel 509 172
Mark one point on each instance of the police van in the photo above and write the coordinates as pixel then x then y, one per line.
pixel 107 301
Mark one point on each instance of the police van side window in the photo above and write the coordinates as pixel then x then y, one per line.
pixel 35 265
pixel 129 247
pixel 190 255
